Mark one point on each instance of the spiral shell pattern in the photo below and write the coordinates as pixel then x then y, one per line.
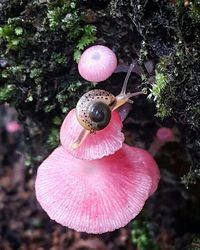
pixel 86 101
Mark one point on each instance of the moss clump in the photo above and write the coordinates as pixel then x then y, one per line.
pixel 7 92
pixel 53 137
pixel 193 6
pixel 39 44
pixel 13 35
pixel 189 179
pixel 181 87
pixel 65 16
pixel 195 9
pixel 141 236
pixel 195 244
pixel 160 88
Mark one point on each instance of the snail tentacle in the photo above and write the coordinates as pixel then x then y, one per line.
pixel 124 87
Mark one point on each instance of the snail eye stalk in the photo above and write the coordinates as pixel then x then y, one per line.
pixel 124 97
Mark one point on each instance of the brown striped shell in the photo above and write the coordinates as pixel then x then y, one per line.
pixel 93 109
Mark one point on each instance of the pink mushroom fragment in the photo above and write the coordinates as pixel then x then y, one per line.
pixel 96 196
pixel 97 63
pixel 12 127
pixel 96 145
pixel 163 135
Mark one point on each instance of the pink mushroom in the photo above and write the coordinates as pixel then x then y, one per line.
pixel 12 127
pixel 94 183
pixel 97 63
pixel 96 196
pixel 96 145
pixel 163 135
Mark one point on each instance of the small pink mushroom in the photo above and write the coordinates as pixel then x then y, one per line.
pixel 96 145
pixel 12 127
pixel 97 63
pixel 96 196
pixel 163 135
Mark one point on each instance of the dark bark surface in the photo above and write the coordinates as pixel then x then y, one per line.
pixel 39 84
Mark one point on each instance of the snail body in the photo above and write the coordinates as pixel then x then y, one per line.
pixel 93 110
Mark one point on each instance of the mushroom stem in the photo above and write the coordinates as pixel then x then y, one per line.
pixel 163 136
pixel 155 147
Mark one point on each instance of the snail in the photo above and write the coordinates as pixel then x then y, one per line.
pixel 93 110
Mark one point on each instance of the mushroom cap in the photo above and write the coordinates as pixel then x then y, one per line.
pixel 96 196
pixel 148 163
pixel 96 145
pixel 165 134
pixel 97 63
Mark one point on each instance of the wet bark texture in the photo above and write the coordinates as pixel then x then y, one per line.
pixel 39 83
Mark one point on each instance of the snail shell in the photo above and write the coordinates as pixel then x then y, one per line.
pixel 93 109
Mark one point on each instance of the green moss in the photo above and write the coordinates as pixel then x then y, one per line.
pixel 87 37
pixel 6 93
pixel 16 73
pixel 57 120
pixel 160 88
pixel 39 44
pixel 28 161
pixel 36 74
pixel 189 178
pixel 56 59
pixel 61 15
pixel 12 35
pixel 67 17
pixel 65 97
pixel 141 236
pixel 195 9
pixel 53 137
pixel 195 244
